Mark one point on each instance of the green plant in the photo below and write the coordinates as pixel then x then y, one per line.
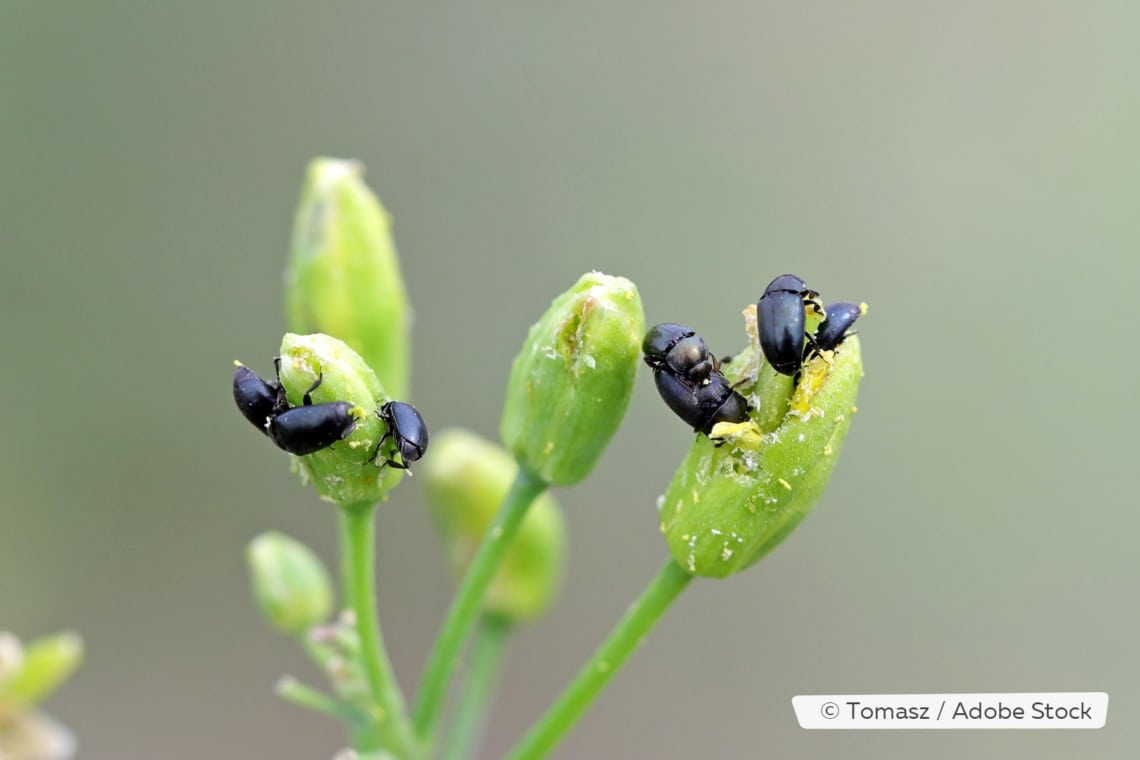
pixel 736 495
pixel 28 675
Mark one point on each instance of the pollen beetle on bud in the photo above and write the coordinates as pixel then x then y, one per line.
pixel 836 326
pixel 688 377
pixel 679 349
pixel 701 406
pixel 407 430
pixel 780 321
pixel 255 398
pixel 300 430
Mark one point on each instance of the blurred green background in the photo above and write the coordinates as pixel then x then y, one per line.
pixel 971 170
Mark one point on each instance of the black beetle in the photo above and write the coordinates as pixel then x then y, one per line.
pixel 306 429
pixel 680 350
pixel 299 430
pixel 407 430
pixel 835 327
pixel 780 321
pixel 255 398
pixel 704 405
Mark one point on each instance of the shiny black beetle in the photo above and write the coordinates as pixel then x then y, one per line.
pixel 835 327
pixel 299 430
pixel 780 321
pixel 702 405
pixel 680 350
pixel 255 398
pixel 407 430
pixel 688 377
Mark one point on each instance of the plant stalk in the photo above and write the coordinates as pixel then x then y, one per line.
pixel 642 615
pixel 468 601
pixel 479 685
pixel 389 715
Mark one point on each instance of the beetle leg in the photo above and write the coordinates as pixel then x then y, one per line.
pixel 390 462
pixel 376 452
pixel 308 399
pixel 281 404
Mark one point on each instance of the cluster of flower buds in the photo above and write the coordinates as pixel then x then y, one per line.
pixel 331 403
pixel 770 423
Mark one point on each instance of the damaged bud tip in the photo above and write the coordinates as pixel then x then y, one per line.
pixel 741 490
pixel 571 383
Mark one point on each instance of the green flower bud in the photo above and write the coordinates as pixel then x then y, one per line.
pixel 343 277
pixel 728 506
pixel 571 383
pixel 290 583
pixel 466 480
pixel 346 472
pixel 33 672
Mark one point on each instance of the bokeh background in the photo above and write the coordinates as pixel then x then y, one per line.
pixel 972 170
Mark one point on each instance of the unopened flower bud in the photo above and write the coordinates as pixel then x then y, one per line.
pixel 289 582
pixel 466 479
pixel 728 506
pixel 38 668
pixel 346 471
pixel 343 277
pixel 571 383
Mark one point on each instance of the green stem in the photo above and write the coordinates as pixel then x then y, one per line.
pixel 292 690
pixel 607 660
pixel 479 686
pixel 469 600
pixel 389 716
